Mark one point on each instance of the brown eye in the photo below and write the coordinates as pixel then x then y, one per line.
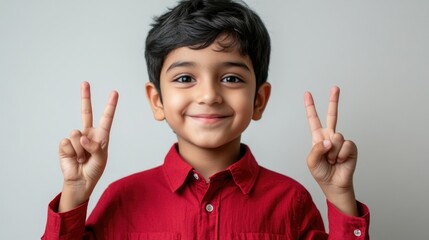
pixel 231 79
pixel 184 79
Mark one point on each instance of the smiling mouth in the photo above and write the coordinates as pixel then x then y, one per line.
pixel 208 118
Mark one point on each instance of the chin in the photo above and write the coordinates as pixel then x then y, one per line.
pixel 213 144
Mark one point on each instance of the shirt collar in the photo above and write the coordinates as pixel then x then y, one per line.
pixel 176 169
pixel 244 172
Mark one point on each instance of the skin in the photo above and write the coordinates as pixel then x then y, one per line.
pixel 208 100
pixel 83 155
pixel 332 160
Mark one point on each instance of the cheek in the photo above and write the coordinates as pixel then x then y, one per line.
pixel 243 105
pixel 173 103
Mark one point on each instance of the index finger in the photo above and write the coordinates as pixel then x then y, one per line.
pixel 86 107
pixel 312 117
pixel 109 112
pixel 331 118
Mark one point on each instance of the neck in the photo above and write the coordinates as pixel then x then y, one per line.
pixel 209 161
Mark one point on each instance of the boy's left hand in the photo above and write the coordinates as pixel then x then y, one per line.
pixel 332 160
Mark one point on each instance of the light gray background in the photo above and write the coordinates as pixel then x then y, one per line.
pixel 376 51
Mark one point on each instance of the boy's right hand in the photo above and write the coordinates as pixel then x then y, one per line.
pixel 83 155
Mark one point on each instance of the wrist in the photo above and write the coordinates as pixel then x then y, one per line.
pixel 73 195
pixel 344 201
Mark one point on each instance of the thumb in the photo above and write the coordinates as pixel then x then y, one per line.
pixel 317 152
pixel 90 146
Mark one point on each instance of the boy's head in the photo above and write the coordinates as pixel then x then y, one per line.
pixel 198 23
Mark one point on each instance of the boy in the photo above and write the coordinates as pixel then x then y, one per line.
pixel 208 64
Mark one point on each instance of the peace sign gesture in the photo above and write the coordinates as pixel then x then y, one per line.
pixel 83 155
pixel 332 160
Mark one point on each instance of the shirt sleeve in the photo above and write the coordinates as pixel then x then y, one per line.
pixel 342 226
pixel 66 225
pixel 106 221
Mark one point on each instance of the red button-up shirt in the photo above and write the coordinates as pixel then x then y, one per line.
pixel 173 201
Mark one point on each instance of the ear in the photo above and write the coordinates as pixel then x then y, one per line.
pixel 155 102
pixel 262 97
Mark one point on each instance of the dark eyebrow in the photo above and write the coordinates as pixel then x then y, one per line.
pixel 224 64
pixel 237 64
pixel 180 64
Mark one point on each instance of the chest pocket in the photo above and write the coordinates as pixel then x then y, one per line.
pixel 154 236
pixel 257 236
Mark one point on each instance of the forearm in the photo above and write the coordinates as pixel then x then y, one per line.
pixel 344 201
pixel 72 196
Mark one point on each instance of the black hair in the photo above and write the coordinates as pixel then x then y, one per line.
pixel 197 24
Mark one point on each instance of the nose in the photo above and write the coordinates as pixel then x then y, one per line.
pixel 209 93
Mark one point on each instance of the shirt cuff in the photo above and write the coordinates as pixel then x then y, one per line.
pixel 342 226
pixel 69 224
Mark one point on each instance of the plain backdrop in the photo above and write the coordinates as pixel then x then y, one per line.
pixel 377 51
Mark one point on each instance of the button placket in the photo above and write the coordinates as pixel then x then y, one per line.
pixel 209 208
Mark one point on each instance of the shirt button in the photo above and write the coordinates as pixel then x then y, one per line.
pixel 357 232
pixel 209 208
pixel 196 176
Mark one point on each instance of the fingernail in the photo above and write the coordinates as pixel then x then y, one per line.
pixel 327 143
pixel 85 140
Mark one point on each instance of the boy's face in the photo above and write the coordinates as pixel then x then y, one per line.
pixel 208 95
